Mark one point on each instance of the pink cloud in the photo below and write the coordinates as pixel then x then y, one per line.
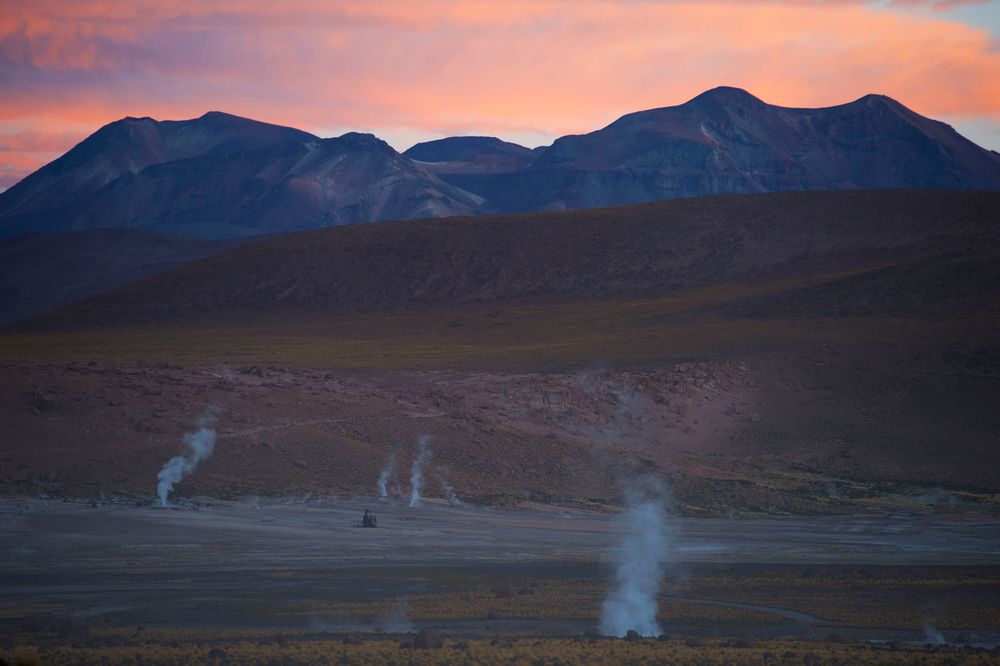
pixel 510 68
pixel 938 5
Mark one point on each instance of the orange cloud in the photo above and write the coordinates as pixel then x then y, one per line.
pixel 513 68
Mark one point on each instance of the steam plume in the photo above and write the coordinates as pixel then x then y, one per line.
pixel 417 471
pixel 200 445
pixel 397 620
pixel 639 562
pixel 449 492
pixel 932 635
pixel 383 477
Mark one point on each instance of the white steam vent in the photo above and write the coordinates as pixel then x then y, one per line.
pixel 198 446
pixel 639 561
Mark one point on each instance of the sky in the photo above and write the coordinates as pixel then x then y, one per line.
pixel 524 70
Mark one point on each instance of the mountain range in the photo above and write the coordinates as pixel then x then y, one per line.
pixel 726 141
pixel 223 177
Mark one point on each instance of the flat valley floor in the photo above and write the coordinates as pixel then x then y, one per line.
pixel 297 582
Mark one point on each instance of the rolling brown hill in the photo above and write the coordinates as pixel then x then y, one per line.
pixel 840 239
pixel 42 271
pixel 825 351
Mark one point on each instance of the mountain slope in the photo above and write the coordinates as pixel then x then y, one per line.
pixel 39 272
pixel 635 252
pixel 728 141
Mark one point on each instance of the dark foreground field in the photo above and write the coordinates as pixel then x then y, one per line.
pixel 296 583
pixel 271 648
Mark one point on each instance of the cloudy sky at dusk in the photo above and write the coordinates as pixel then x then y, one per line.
pixel 524 70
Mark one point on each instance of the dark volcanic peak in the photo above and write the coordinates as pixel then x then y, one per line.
pixel 361 141
pixel 728 95
pixel 463 148
pixel 472 155
pixel 877 98
pixel 220 116
pixel 721 100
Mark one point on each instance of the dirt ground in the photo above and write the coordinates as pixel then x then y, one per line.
pixel 794 530
pixel 303 566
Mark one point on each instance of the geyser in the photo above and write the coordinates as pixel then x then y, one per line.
pixel 384 475
pixel 639 561
pixel 449 492
pixel 198 446
pixel 417 471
